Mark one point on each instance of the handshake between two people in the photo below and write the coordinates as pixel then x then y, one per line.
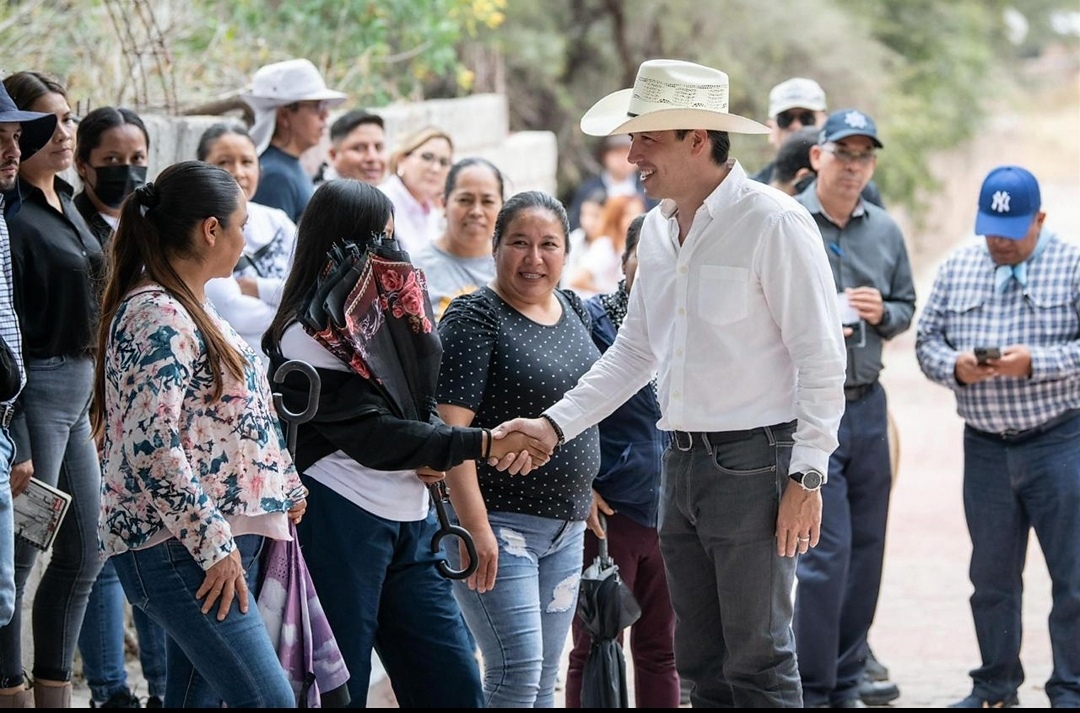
pixel 522 444
pixel 518 447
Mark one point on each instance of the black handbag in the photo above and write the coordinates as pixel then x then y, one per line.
pixel 10 374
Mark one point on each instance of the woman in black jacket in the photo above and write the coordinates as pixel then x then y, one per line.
pixel 366 462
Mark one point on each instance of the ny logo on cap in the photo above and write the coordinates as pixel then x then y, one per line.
pixel 1000 202
pixel 855 120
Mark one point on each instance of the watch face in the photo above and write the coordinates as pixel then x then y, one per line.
pixel 811 480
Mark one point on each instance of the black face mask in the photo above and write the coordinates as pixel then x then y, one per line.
pixel 115 183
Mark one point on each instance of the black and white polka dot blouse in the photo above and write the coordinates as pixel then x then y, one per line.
pixel 501 365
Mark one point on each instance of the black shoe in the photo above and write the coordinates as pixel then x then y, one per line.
pixel 120 699
pixel 877 693
pixel 977 701
pixel 874 669
pixel 154 702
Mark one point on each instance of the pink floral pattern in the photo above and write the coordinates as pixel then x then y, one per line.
pixel 173 458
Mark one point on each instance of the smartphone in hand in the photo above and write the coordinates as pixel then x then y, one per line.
pixel 983 354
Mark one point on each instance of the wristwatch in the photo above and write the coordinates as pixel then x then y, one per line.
pixel 809 479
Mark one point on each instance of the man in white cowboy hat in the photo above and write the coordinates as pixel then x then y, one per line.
pixel 22 133
pixel 735 312
pixel 291 104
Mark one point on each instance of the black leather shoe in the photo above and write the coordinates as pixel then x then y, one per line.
pixel 977 701
pixel 877 693
pixel 874 668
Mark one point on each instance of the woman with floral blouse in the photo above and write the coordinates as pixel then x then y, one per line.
pixel 196 473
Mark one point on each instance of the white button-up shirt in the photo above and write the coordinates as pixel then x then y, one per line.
pixel 740 324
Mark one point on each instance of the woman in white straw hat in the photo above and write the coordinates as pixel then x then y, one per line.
pixel 291 103
pixel 735 311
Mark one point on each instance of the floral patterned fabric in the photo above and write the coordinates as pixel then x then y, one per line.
pixel 174 459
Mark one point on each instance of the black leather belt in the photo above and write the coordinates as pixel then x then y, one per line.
pixel 854 393
pixel 686 440
pixel 7 412
pixel 1013 436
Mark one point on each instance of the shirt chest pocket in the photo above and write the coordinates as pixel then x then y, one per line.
pixel 723 294
pixel 1055 306
pixel 966 299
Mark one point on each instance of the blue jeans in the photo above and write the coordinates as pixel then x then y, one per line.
pixel 101 641
pixel 839 580
pixel 730 590
pixel 208 661
pixel 56 401
pixel 7 529
pixel 521 624
pixel 378 585
pixel 1010 487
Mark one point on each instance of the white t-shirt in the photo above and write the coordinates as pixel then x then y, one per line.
pixel 394 495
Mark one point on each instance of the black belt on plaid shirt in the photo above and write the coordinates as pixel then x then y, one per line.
pixel 1013 436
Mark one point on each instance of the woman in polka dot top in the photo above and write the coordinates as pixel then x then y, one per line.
pixel 515 347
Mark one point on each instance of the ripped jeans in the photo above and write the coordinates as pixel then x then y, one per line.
pixel 521 625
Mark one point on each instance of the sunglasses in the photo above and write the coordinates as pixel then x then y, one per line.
pixel 804 116
pixel 428 157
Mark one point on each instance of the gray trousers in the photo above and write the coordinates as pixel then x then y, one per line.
pixel 731 592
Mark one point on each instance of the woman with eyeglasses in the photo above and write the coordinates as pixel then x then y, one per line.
pixel 418 170
pixel 57 266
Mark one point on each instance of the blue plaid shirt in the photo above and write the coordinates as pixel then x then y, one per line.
pixel 9 322
pixel 964 311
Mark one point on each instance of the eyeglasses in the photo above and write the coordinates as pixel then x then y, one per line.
pixel 844 155
pixel 317 106
pixel 428 157
pixel 804 116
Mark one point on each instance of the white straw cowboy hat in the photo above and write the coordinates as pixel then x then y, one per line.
pixel 280 84
pixel 669 94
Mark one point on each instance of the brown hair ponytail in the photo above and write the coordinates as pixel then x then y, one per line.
pixel 158 222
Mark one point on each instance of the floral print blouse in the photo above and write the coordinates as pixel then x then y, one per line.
pixel 173 458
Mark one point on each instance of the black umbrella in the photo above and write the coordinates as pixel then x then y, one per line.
pixel 371 309
pixel 606 606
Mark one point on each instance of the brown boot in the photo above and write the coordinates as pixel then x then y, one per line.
pixel 52 696
pixel 19 699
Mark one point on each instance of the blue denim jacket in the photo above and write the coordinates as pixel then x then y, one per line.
pixel 631 446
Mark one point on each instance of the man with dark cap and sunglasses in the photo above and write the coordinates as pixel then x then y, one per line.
pixel 22 133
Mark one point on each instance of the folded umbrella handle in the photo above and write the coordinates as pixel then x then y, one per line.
pixel 292 418
pixel 439 496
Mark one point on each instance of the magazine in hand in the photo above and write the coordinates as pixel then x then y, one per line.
pixel 39 510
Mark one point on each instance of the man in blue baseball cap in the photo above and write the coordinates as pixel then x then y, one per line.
pixel 1001 330
pixel 22 133
pixel 839 580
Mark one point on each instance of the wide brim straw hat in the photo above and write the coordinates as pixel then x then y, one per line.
pixel 37 127
pixel 669 94
pixel 280 84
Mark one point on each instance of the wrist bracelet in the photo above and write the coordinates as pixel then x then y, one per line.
pixel 555 427
pixel 487 448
